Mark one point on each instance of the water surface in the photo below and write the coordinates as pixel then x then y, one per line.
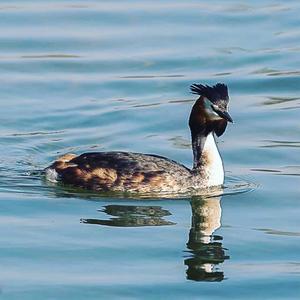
pixel 114 75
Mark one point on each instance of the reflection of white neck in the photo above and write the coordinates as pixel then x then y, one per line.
pixel 210 212
pixel 213 165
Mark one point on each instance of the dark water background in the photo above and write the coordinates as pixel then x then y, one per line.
pixel 114 75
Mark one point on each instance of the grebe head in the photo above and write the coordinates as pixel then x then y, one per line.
pixel 210 112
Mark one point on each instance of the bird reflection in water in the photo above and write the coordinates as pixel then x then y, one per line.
pixel 205 248
pixel 132 216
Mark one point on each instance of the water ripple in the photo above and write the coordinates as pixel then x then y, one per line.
pixel 28 134
pixel 278 232
pixel 272 100
pixel 46 56
pixel 288 170
pixel 280 144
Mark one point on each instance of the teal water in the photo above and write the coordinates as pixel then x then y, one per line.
pixel 114 75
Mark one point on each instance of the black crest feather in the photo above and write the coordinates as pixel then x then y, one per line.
pixel 213 93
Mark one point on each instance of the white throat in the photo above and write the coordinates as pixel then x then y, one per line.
pixel 213 165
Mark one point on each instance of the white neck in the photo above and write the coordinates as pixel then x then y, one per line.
pixel 212 162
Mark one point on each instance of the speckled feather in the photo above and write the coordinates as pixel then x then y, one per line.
pixel 122 171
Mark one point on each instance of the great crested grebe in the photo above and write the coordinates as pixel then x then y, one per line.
pixel 147 173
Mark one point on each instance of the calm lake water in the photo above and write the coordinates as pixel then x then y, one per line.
pixel 114 75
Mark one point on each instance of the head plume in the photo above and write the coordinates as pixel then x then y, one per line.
pixel 212 93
